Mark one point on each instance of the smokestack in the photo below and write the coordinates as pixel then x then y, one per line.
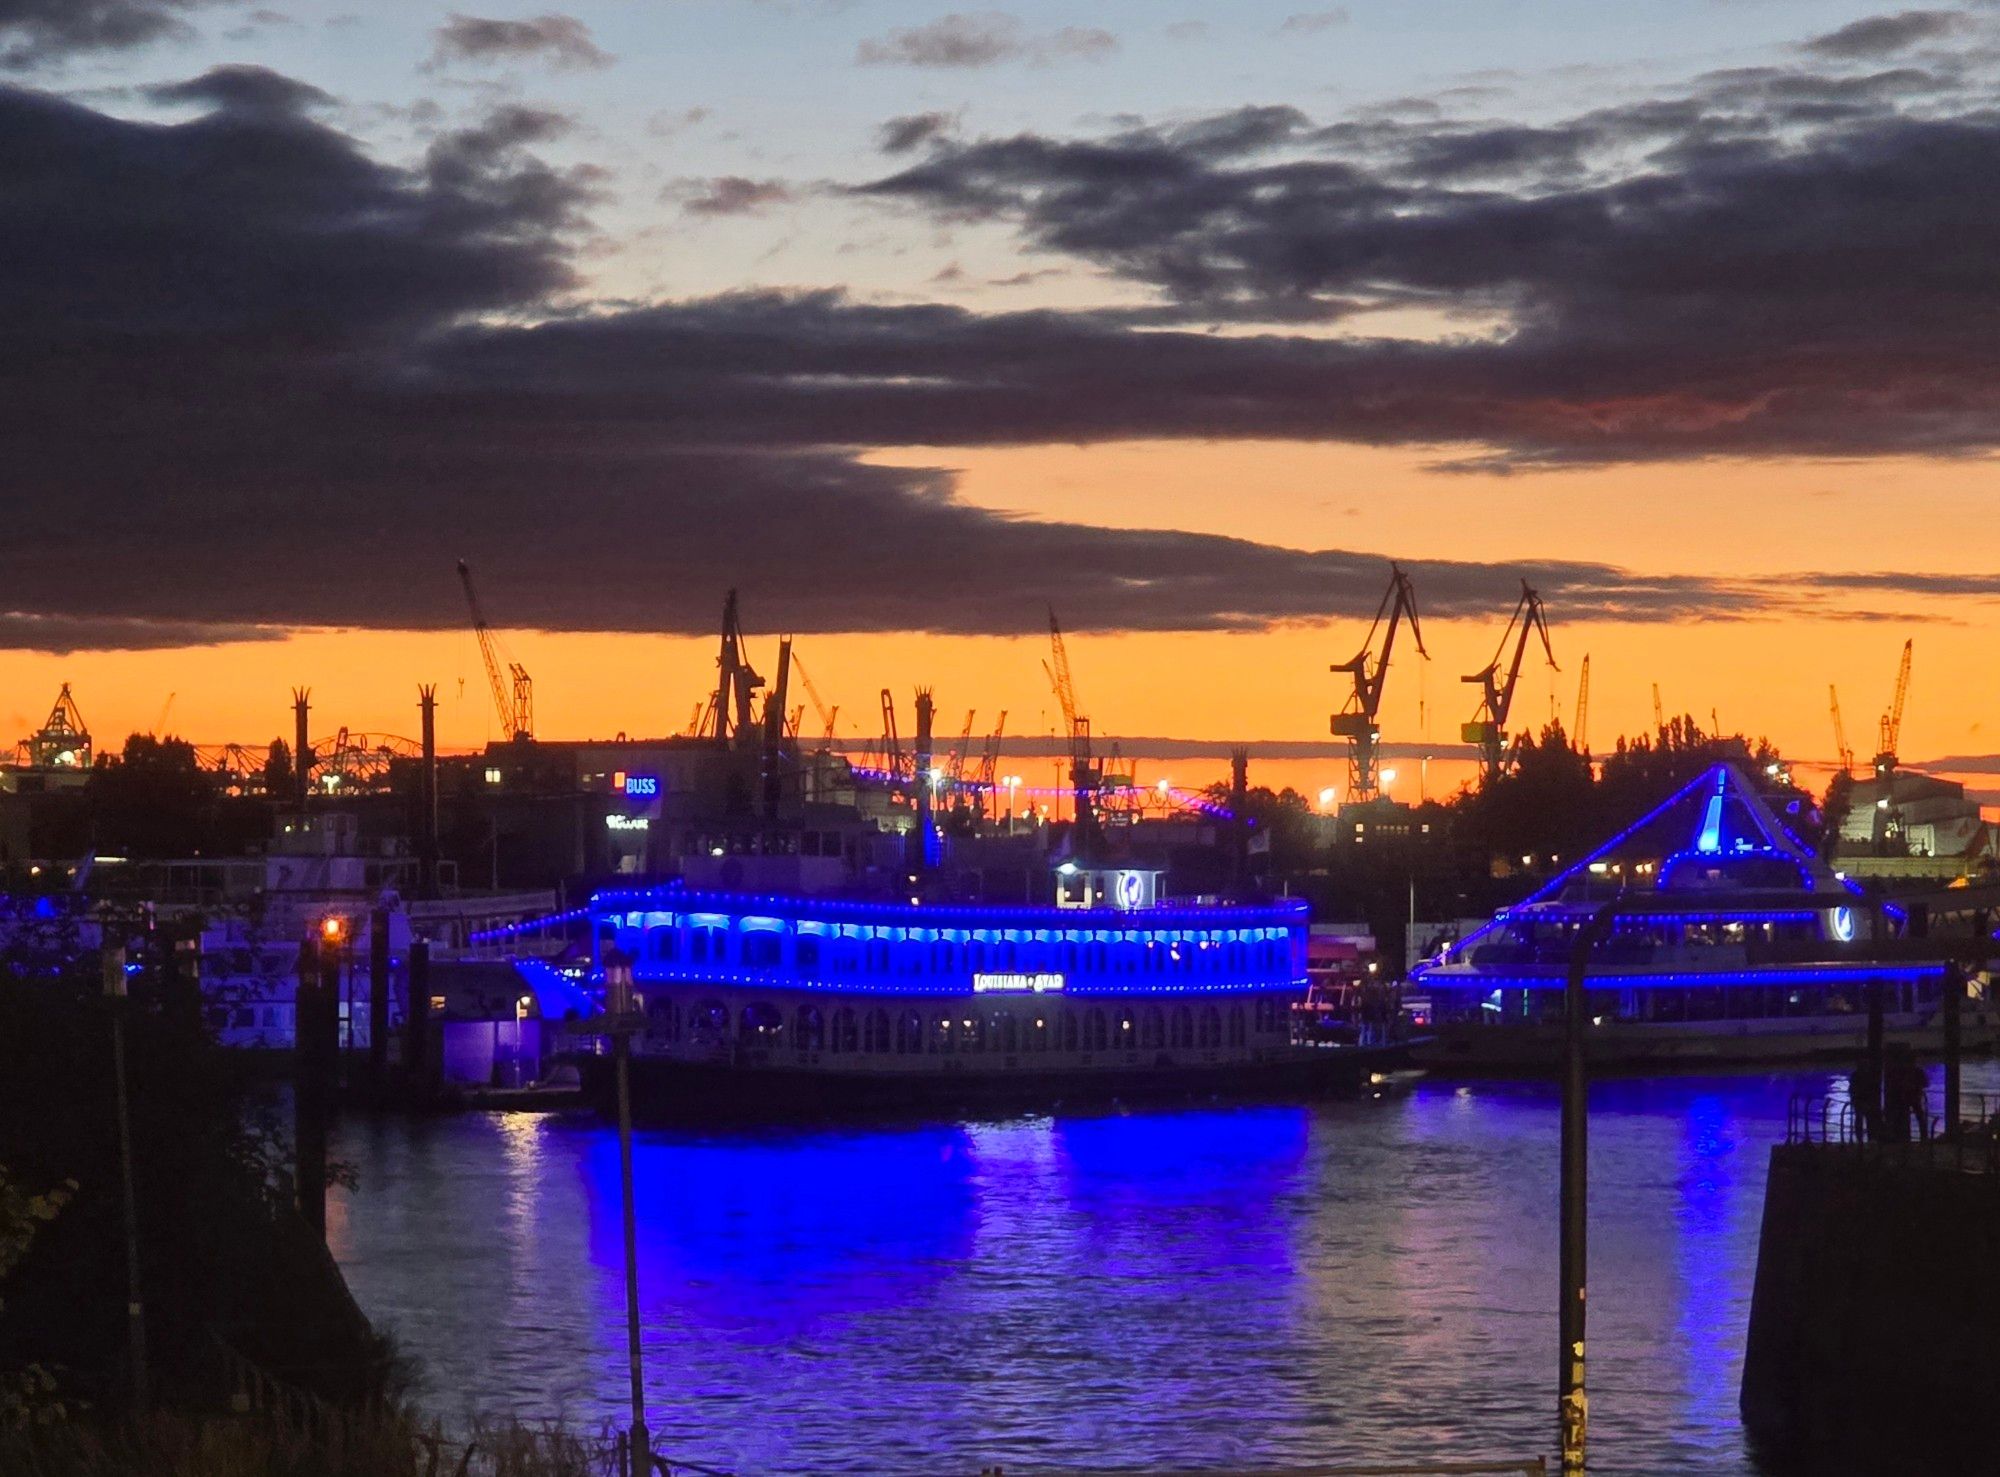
pixel 926 831
pixel 427 796
pixel 302 754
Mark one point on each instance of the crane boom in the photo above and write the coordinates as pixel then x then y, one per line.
pixel 1583 707
pixel 826 714
pixel 1839 731
pixel 513 692
pixel 892 746
pixel 1892 721
pixel 1082 768
pixel 955 766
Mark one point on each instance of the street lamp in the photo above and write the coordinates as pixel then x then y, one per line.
pixel 1327 797
pixel 621 1019
pixel 1013 784
pixel 1388 779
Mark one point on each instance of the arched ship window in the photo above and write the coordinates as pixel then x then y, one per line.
pixel 910 1033
pixel 1153 1027
pixel 1005 1033
pixel 942 1034
pixel 808 1030
pixel 762 949
pixel 975 955
pixel 971 1032
pixel 1096 1031
pixel 663 943
pixel 1236 1032
pixel 762 1025
pixel 1070 1035
pixel 875 1031
pixel 708 1022
pixel 1183 1026
pixel 1211 1027
pixel 1037 1034
pixel 806 953
pixel 663 1019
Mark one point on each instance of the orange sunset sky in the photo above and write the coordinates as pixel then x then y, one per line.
pixel 911 322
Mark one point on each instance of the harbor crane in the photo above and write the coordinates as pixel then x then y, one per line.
pixel 989 761
pixel 892 746
pixel 1582 736
pixel 1840 732
pixel 1083 775
pixel 514 693
pixel 1358 721
pixel 1659 713
pixel 736 681
pixel 1891 728
pixel 826 714
pixel 955 766
pixel 1488 728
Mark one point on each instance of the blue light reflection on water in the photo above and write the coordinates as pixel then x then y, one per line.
pixel 1367 1281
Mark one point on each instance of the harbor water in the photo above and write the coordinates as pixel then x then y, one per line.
pixel 1365 1281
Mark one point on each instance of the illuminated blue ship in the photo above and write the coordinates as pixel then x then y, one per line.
pixel 794 1002
pixel 1732 941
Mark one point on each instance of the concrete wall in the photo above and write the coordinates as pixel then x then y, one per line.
pixel 1874 1341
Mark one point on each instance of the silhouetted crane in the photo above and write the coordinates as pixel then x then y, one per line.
pixel 1082 763
pixel 1488 728
pixel 1839 731
pixel 514 694
pixel 1891 728
pixel 1357 722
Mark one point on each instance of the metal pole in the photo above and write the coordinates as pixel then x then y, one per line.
pixel 309 1091
pixel 1572 1400
pixel 135 1302
pixel 618 1004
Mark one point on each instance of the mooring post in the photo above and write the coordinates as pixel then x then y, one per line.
pixel 1954 998
pixel 1572 1399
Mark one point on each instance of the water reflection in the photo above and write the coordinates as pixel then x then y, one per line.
pixel 1359 1281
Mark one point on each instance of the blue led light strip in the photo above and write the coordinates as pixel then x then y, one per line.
pixel 1599 978
pixel 959 989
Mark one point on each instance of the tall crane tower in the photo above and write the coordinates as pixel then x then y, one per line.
pixel 1891 727
pixel 1581 737
pixel 1357 721
pixel 513 694
pixel 1083 777
pixel 954 772
pixel 989 763
pixel 1488 728
pixel 1840 732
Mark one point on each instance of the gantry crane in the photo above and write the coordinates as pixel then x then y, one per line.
pixel 1891 728
pixel 1488 728
pixel 1582 737
pixel 1357 722
pixel 1082 765
pixel 774 731
pixel 514 694
pixel 1840 732
pixel 1659 713
pixel 826 714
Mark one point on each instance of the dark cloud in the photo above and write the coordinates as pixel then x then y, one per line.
pixel 562 41
pixel 900 135
pixel 62 634
pixel 1771 262
pixel 243 88
pixel 981 40
pixel 37 31
pixel 1884 35
pixel 290 384
pixel 732 194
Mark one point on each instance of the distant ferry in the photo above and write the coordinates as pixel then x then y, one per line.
pixel 1732 943
pixel 788 1004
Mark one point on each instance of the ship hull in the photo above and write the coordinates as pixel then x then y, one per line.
pixel 1669 1046
pixel 667 1090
